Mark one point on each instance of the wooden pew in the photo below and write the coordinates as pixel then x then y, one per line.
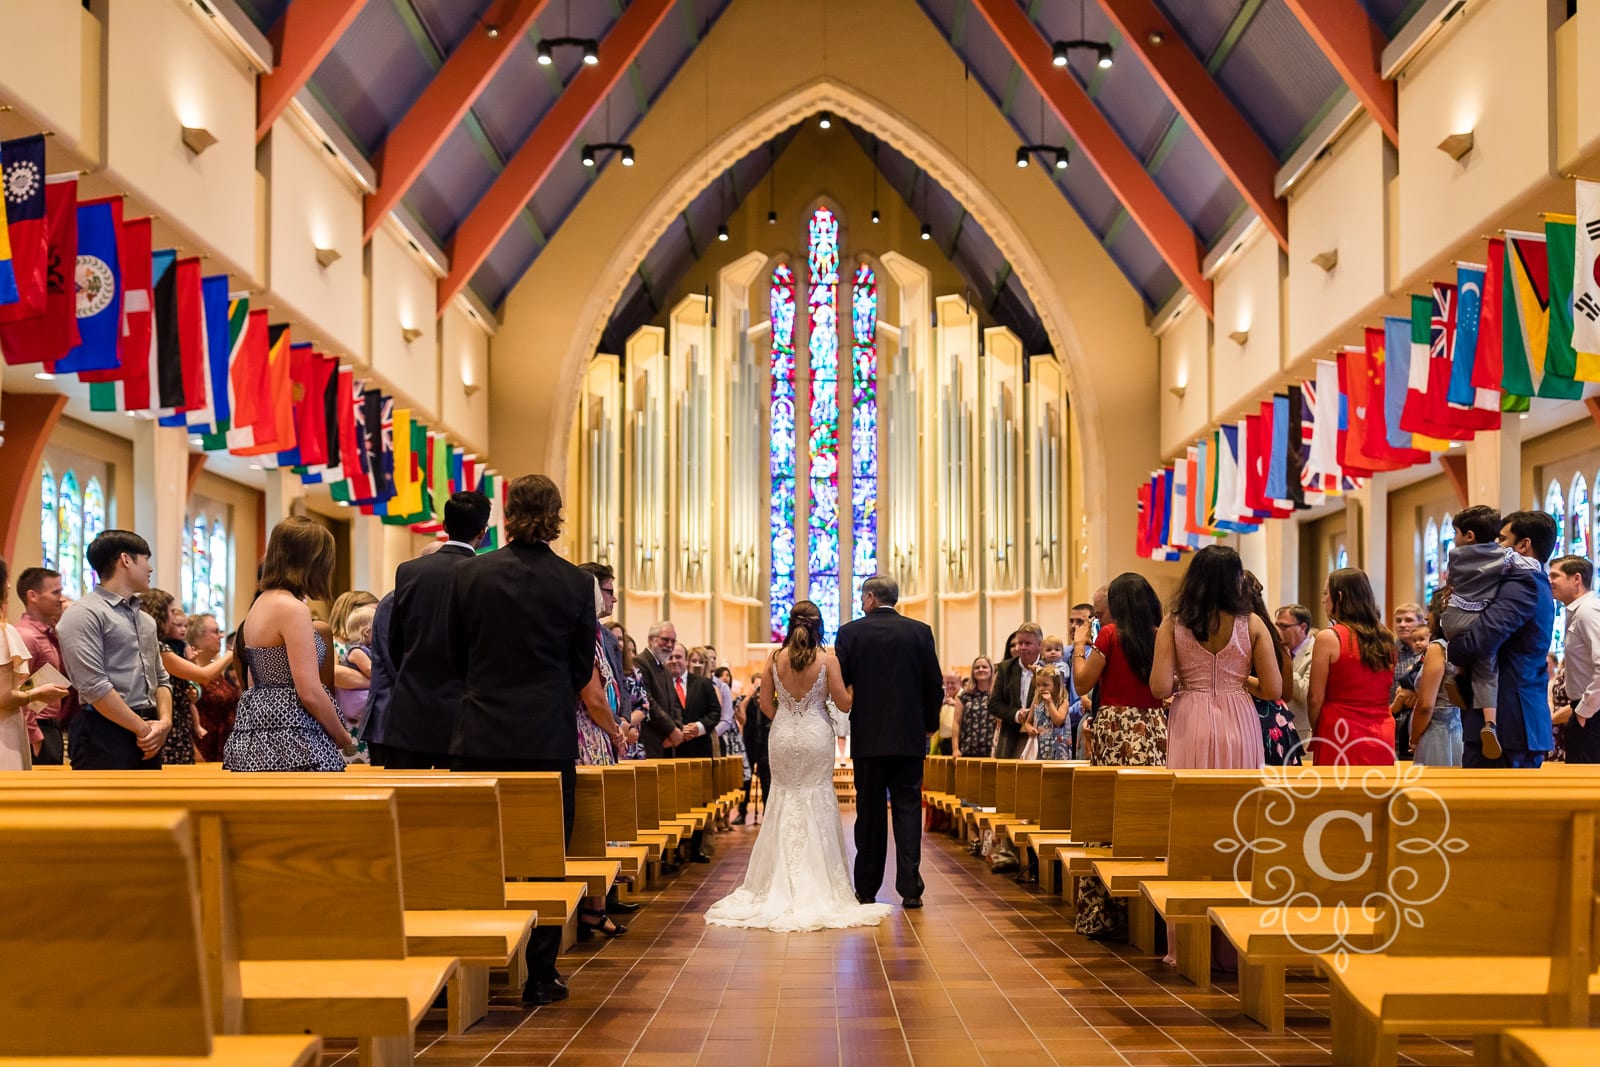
pixel 1549 1048
pixel 622 826
pixel 587 861
pixel 1093 802
pixel 1491 952
pixel 115 974
pixel 1140 827
pixel 1055 816
pixel 279 871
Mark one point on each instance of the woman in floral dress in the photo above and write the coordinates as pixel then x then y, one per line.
pixel 974 726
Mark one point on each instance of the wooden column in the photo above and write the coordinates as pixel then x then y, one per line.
pixel 29 420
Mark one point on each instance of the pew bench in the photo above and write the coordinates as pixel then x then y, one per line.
pixel 1549 1048
pixel 143 998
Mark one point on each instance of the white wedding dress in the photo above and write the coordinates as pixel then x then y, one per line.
pixel 797 878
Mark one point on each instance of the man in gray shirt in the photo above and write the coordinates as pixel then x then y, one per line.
pixel 113 657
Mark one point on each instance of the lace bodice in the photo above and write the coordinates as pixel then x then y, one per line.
pixel 814 699
pixel 1200 671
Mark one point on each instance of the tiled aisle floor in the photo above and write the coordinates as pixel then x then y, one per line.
pixel 987 973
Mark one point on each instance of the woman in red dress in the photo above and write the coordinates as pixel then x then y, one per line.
pixel 1352 668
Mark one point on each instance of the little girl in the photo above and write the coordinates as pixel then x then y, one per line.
pixel 352 700
pixel 1052 706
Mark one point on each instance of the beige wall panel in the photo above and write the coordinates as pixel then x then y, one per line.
pixel 957 630
pixel 1185 365
pixel 311 206
pixel 1491 75
pixel 691 616
pixel 1249 295
pixel 166 70
pixel 50 68
pixel 1339 208
pixel 464 380
pixel 401 294
pixel 1409 511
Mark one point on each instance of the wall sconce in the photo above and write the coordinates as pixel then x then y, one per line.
pixel 1327 260
pixel 1240 337
pixel 327 257
pixel 410 333
pixel 1456 145
pixel 470 388
pixel 1179 391
pixel 197 139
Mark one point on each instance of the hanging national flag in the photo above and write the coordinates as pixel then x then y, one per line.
pixel 22 180
pixel 8 273
pixel 1164 538
pixel 1426 409
pixel 1561 360
pixel 235 326
pixel 133 254
pixel 189 318
pixel 1585 283
pixel 440 482
pixel 335 417
pixel 136 385
pixel 407 497
pixel 47 338
pixel 1397 383
pixel 1355 384
pixel 493 487
pixel 212 414
pixel 305 401
pixel 254 428
pixel 1369 397
pixel 1321 400
pixel 1488 365
pixel 1478 408
pixel 98 289
pixel 1525 331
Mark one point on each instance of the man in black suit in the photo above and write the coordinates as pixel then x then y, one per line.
pixel 891 662
pixel 1013 688
pixel 694 705
pixel 425 694
pixel 755 747
pixel 522 642
pixel 661 733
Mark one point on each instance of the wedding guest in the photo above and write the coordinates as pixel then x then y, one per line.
pixel 1293 623
pixel 1435 723
pixel 1279 740
pixel 188 677
pixel 1052 713
pixel 344 675
pixel 628 713
pixel 218 701
pixel 1352 672
pixel 1205 651
pixel 352 692
pixel 1572 582
pixel 39 589
pixel 287 719
pixel 724 699
pixel 16 747
pixel 1012 703
pixel 521 642
pixel 113 658
pixel 940 745
pixel 694 704
pixel 661 732
pixel 1408 658
pixel 601 737
pixel 974 728
pixel 381 685
pixel 755 744
pixel 638 696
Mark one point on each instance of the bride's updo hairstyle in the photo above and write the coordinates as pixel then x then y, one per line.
pixel 804 636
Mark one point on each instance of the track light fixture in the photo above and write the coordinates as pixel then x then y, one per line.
pixel 772 218
pixel 1102 50
pixel 544 51
pixel 927 232
pixel 1058 154
pixel 877 216
pixel 591 152
pixel 722 232
pixel 825 121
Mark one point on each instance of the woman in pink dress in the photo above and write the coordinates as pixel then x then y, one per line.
pixel 1205 650
pixel 1352 671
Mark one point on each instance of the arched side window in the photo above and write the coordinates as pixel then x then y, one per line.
pixel 221 570
pixel 1430 561
pixel 199 593
pixel 69 514
pixel 1579 517
pixel 1341 557
pixel 49 530
pixel 186 575
pixel 1555 505
pixel 863 431
pixel 94 524
pixel 822 268
pixel 781 451
pixel 1447 544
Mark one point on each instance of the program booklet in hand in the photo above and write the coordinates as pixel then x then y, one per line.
pixel 46 675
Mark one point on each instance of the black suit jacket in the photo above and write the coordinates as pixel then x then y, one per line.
pixel 700 705
pixel 425 695
pixel 522 639
pixel 891 662
pixel 661 722
pixel 1004 703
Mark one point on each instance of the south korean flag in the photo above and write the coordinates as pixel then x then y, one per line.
pixel 1586 272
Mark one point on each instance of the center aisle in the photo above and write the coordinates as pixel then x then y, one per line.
pixel 987 973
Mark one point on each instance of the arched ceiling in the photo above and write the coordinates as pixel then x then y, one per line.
pixel 1259 53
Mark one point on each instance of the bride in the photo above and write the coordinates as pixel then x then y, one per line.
pixel 797 878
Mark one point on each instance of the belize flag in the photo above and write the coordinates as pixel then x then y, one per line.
pixel 98 280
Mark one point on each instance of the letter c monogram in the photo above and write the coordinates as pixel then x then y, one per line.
pixel 1313 844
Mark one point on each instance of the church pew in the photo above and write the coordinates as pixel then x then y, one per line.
pixel 117 974
pixel 1491 952
pixel 1024 801
pixel 1093 800
pixel 279 873
pixel 1140 828
pixel 662 841
pixel 1055 814
pixel 586 859
pixel 1553 1047
pixel 622 825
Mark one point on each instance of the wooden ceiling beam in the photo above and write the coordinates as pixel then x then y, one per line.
pixel 1161 222
pixel 1354 44
pixel 406 152
pixel 301 39
pixel 477 235
pixel 1238 149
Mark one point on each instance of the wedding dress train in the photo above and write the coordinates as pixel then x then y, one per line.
pixel 797 878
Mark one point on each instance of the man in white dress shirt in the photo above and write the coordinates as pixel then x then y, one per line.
pixel 1571 583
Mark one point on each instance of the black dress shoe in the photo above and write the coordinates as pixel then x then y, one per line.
pixel 911 903
pixel 700 857
pixel 738 820
pixel 622 907
pixel 865 900
pixel 538 994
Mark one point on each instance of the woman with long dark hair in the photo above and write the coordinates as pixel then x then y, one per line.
pixel 1205 650
pixel 1352 669
pixel 1280 741
pixel 797 878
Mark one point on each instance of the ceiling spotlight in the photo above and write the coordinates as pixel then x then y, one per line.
pixel 588 156
pixel 772 218
pixel 1156 38
pixel 825 121
pixel 591 54
pixel 591 152
pixel 876 217
pixel 1057 152
pixel 1058 53
pixel 627 155
pixel 1061 159
pixel 1022 156
pixel 544 49
pixel 722 232
pixel 1102 50
pixel 44 376
pixel 543 52
pixel 1104 62
pixel 927 232
pixel 491 31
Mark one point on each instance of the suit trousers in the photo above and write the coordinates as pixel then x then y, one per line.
pixel 544 944
pixel 1583 740
pixel 761 769
pixel 900 777
pixel 52 748
pixel 1472 756
pixel 410 759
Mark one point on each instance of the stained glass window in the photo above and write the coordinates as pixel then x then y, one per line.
pixel 1578 505
pixel 186 570
pixel 69 514
pixel 863 430
pixel 1555 505
pixel 1447 545
pixel 1341 558
pixel 198 592
pixel 822 260
pixel 781 450
pixel 48 530
pixel 94 524
pixel 220 570
pixel 1430 561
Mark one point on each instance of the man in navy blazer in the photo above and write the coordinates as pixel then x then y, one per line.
pixel 892 665
pixel 1516 628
